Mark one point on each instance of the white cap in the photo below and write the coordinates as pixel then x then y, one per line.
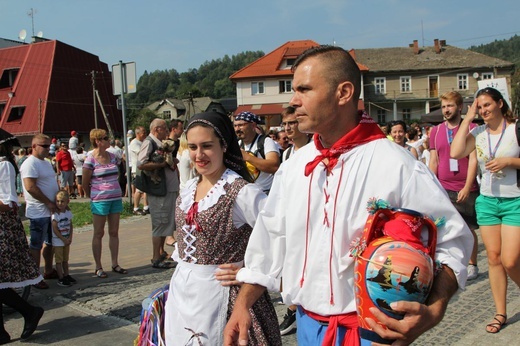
pixel 130 133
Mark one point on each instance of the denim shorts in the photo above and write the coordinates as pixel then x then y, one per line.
pixel 41 231
pixel 104 208
pixel 496 211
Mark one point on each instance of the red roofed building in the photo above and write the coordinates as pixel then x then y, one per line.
pixel 264 86
pixel 47 87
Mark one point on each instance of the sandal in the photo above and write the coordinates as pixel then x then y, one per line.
pixel 100 273
pixel 119 270
pixel 164 256
pixel 496 326
pixel 162 265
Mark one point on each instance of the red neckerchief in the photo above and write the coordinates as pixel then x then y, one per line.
pixel 366 131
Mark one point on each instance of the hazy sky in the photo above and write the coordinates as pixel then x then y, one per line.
pixel 161 34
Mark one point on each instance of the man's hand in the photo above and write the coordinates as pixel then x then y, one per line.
pixel 236 331
pixel 237 328
pixel 418 317
pixel 417 320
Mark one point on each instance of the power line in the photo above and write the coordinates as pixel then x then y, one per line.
pixel 488 36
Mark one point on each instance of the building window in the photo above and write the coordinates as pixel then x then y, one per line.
pixel 16 113
pixel 8 77
pixel 381 116
pixel 487 75
pixel 462 80
pixel 407 114
pixel 257 88
pixel 167 114
pixel 2 108
pixel 380 83
pixel 406 84
pixel 285 86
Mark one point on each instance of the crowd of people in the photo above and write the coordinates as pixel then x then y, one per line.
pixel 245 212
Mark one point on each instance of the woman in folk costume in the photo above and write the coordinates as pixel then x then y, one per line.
pixel 215 214
pixel 18 267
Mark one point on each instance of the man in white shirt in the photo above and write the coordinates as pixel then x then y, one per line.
pixel 260 153
pixel 317 207
pixel 40 188
pixel 162 207
pixel 133 151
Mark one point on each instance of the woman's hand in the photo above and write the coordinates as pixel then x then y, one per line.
pixel 472 112
pixel 496 165
pixel 227 274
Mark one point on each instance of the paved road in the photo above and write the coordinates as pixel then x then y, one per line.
pixel 107 311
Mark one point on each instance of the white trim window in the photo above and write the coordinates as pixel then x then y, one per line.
pixel 257 88
pixel 285 86
pixel 381 116
pixel 380 85
pixel 487 75
pixel 407 114
pixel 462 81
pixel 406 84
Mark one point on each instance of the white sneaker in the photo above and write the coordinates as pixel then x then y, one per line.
pixel 472 272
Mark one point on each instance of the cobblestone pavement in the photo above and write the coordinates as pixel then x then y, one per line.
pixel 119 297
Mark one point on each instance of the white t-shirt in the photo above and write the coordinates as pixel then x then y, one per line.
pixel 73 142
pixel 45 180
pixel 186 170
pixel 501 184
pixel 133 151
pixel 118 152
pixel 64 221
pixel 78 159
pixel 264 180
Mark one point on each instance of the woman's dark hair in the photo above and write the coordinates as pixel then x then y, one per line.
pixel 497 96
pixel 412 133
pixel 394 123
pixel 223 129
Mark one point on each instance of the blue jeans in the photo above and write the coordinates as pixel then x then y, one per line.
pixel 41 231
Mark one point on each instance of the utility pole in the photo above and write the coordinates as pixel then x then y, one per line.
pixel 93 75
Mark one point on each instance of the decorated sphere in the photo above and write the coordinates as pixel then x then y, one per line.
pixel 396 271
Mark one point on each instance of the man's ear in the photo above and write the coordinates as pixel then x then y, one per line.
pixel 345 92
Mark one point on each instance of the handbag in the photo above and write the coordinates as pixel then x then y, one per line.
pixel 144 181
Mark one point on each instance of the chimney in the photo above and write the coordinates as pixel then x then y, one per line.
pixel 443 43
pixel 416 47
pixel 437 46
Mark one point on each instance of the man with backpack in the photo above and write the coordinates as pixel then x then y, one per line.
pixel 259 151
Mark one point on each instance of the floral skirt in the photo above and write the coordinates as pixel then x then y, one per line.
pixel 18 267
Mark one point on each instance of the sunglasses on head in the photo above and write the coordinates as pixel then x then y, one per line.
pixel 490 91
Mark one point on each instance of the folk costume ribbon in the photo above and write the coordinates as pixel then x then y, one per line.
pixel 366 131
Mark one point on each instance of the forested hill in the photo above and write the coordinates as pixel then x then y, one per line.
pixel 508 49
pixel 210 79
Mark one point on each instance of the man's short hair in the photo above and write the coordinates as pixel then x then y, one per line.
pixel 174 123
pixel 452 95
pixel 338 64
pixel 139 130
pixel 40 136
pixel 156 123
